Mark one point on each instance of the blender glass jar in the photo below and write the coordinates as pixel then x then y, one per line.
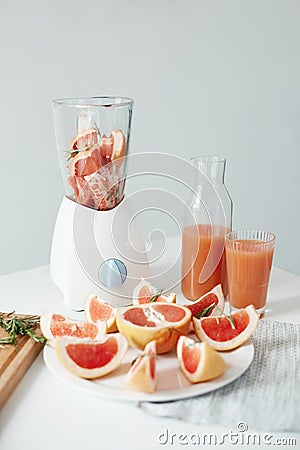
pixel 92 140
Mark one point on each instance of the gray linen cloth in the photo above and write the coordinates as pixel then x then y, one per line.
pixel 265 397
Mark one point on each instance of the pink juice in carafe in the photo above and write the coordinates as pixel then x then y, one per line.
pixel 196 246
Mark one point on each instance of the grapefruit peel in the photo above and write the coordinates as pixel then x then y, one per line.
pixel 119 146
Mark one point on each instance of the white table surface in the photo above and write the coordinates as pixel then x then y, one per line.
pixel 45 413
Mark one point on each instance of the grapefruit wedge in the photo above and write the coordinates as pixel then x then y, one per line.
pixel 112 148
pixel 53 325
pixel 119 147
pixel 198 360
pixel 210 304
pixel 96 309
pixel 162 322
pixel 227 332
pixel 83 140
pixel 89 359
pixel 142 374
pixel 145 292
pixel 82 191
pixel 106 147
pixel 85 162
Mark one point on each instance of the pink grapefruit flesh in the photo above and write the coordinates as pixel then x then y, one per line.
pixel 93 356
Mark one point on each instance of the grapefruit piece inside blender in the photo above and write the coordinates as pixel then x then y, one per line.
pixel 96 310
pixel 119 147
pixel 210 304
pixel 145 292
pixel 142 374
pixel 91 359
pixel 227 332
pixel 106 147
pixel 53 325
pixel 85 162
pixel 83 140
pixel 87 159
pixel 82 191
pixel 162 322
pixel 198 360
pixel 112 148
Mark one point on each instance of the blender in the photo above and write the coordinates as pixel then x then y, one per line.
pixel 92 140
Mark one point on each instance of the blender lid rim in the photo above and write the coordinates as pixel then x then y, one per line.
pixel 88 101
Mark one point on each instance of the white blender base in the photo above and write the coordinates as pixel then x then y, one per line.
pixel 83 241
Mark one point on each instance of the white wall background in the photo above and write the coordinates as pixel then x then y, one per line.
pixel 208 77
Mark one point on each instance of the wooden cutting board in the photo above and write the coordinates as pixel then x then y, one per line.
pixel 14 363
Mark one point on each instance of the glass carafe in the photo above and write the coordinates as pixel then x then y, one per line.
pixel 203 236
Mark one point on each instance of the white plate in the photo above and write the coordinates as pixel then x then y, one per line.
pixel 172 385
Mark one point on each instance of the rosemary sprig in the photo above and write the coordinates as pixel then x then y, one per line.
pixel 204 312
pixel 229 318
pixel 5 341
pixel 231 321
pixel 71 153
pixel 155 296
pixel 97 129
pixel 19 326
pixel 74 152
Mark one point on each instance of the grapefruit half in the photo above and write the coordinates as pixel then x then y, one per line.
pixel 53 325
pixel 96 309
pixel 227 332
pixel 198 360
pixel 162 322
pixel 87 358
pixel 142 374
